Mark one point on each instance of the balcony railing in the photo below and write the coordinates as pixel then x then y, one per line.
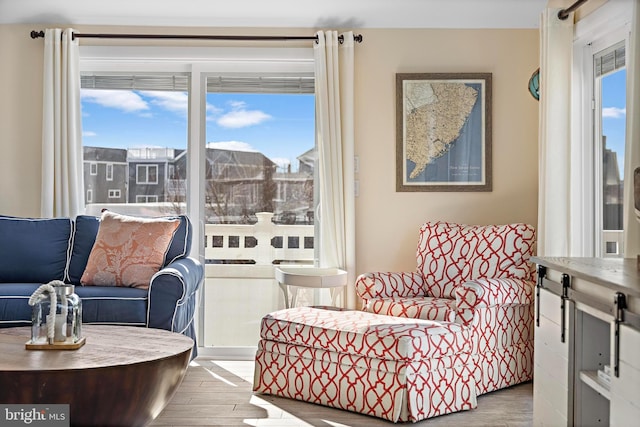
pixel 262 243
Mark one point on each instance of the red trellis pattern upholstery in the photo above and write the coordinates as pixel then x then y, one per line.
pixel 478 276
pixel 394 368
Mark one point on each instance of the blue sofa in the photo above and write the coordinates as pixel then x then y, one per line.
pixel 36 251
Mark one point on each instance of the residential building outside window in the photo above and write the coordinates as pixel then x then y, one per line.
pixel 93 167
pixel 114 194
pixel 110 172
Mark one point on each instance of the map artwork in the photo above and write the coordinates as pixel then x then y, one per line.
pixel 435 114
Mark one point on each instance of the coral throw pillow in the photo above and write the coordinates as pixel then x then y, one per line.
pixel 128 250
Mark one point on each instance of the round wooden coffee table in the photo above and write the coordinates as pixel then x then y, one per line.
pixel 122 376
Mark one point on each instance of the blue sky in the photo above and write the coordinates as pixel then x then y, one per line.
pixel 280 126
pixel 614 113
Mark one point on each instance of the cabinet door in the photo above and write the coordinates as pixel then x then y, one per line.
pixel 625 389
pixel 551 366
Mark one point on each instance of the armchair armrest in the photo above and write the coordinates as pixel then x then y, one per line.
pixel 491 292
pixel 170 291
pixel 385 285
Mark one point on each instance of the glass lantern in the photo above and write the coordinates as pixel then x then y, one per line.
pixel 67 320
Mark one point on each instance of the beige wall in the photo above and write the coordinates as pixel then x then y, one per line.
pixel 20 121
pixel 386 221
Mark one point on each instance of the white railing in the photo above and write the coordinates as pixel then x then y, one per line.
pixel 262 243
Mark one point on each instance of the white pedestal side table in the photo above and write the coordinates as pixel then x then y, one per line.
pixel 333 279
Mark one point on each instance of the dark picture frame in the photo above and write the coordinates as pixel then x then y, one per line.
pixel 443 132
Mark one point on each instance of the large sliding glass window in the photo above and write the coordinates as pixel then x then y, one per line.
pixel 226 136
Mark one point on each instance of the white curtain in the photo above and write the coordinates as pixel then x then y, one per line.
pixel 554 206
pixel 632 145
pixel 334 63
pixel 62 176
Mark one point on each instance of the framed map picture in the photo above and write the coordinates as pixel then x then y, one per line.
pixel 443 132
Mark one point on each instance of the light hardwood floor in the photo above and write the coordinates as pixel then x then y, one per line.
pixel 218 393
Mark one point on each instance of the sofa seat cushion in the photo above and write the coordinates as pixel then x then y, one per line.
pixel 367 334
pixel 107 305
pixel 441 309
pixel 14 304
pixel 113 305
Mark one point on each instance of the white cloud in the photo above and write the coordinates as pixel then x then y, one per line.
pixel 142 102
pixel 242 118
pixel 177 102
pixel 237 105
pixel 231 145
pixel 212 111
pixel 614 112
pixel 239 116
pixel 88 133
pixel 125 100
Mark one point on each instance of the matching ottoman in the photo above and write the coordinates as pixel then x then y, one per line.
pixel 394 368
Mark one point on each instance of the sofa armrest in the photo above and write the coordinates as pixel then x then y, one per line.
pixel 386 285
pixel 494 292
pixel 170 291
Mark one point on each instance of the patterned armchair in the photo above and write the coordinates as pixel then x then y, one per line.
pixel 479 276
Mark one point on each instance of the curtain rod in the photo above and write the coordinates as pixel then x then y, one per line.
pixel 38 34
pixel 564 13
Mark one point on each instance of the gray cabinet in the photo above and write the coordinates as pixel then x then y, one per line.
pixel 587 342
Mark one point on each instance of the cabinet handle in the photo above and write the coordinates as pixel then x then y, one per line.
pixel 542 272
pixel 566 284
pixel 620 303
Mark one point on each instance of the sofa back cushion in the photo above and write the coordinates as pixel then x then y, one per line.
pixel 181 243
pixel 34 250
pixel 84 236
pixel 86 229
pixel 450 254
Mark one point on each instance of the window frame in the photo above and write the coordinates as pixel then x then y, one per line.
pixel 602 28
pixel 109 172
pixel 146 198
pixel 147 168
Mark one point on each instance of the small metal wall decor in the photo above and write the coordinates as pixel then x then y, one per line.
pixel 56 319
pixel 534 84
